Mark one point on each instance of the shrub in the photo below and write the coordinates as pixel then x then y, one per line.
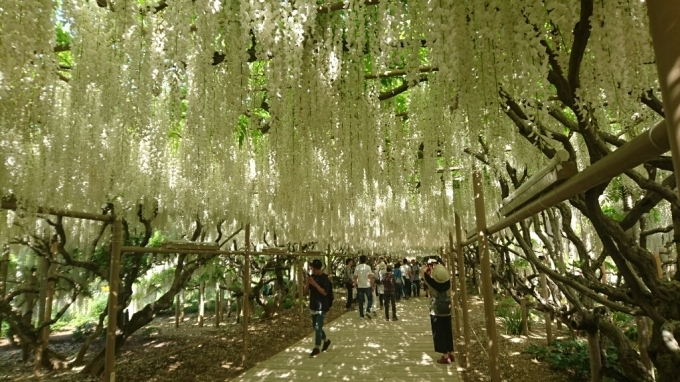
pixel 571 355
pixel 505 306
pixel 83 330
pixel 513 321
pixel 631 333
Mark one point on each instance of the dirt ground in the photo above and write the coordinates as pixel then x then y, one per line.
pixel 515 366
pixel 159 352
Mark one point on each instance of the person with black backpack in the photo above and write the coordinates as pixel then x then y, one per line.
pixel 320 301
pixel 438 281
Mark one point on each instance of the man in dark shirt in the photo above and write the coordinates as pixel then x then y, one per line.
pixel 390 294
pixel 320 291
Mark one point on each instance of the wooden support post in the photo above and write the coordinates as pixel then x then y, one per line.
pixel 463 292
pixel 4 269
pixel 329 264
pixel 201 303
pixel 643 342
pixel 179 308
pixel 218 305
pixel 548 320
pixel 663 24
pixel 301 283
pixel 454 288
pixel 114 283
pixel 659 269
pixel 525 316
pixel 596 374
pixel 42 299
pixel 246 294
pixel 487 287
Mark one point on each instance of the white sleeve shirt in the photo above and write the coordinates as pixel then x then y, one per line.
pixel 362 273
pixel 405 269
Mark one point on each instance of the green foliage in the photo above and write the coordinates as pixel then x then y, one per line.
pixel 84 330
pixel 63 37
pixel 631 333
pixel 504 305
pixel 570 355
pixel 520 263
pixel 4 329
pixel 612 213
pixel 621 319
pixel 655 215
pixel 85 321
pixel 513 321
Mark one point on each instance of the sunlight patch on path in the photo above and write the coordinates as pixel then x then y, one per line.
pixel 375 350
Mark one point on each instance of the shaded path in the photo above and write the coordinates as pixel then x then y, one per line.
pixel 368 350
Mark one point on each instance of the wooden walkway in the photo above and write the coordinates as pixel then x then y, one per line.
pixel 364 350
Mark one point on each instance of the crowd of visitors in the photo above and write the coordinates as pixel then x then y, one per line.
pixel 390 283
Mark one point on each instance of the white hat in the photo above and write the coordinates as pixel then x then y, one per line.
pixel 440 274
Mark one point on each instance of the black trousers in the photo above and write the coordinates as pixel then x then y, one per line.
pixel 350 297
pixel 390 298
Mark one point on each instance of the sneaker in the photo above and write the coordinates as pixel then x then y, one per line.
pixel 395 319
pixel 387 318
pixel 443 359
pixel 326 345
pixel 368 315
pixel 316 352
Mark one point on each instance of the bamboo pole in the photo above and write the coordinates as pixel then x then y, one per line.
pixel 548 320
pixel 178 309
pixel 201 303
pixel 487 287
pixel 50 295
pixel 329 265
pixel 58 212
pixel 218 305
pixel 42 299
pixel 246 294
pixel 463 292
pixel 595 357
pixel 454 288
pixel 4 269
pixel 114 282
pixel 525 316
pixel 301 283
pixel 642 148
pixel 663 23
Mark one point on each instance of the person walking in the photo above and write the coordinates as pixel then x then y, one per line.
pixel 406 275
pixel 439 284
pixel 379 288
pixel 398 280
pixel 390 285
pixel 348 280
pixel 363 281
pixel 415 281
pixel 320 299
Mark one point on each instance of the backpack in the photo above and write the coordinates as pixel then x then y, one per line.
pixel 377 280
pixel 397 276
pixel 442 305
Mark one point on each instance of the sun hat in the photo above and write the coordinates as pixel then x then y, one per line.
pixel 440 274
